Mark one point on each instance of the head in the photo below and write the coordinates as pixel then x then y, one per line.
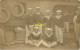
pixel 58 12
pixel 47 12
pixel 36 29
pixel 49 30
pixel 29 10
pixel 37 9
pixel 77 12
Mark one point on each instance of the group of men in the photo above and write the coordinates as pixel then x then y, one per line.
pixel 37 35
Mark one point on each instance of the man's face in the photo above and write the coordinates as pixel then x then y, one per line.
pixel 77 13
pixel 58 13
pixel 49 32
pixel 47 13
pixel 36 30
pixel 30 11
pixel 37 9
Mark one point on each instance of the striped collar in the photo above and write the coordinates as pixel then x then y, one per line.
pixel 49 35
pixel 36 34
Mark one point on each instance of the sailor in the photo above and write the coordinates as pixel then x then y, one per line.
pixel 48 18
pixel 59 26
pixel 35 37
pixel 48 38
pixel 76 22
pixel 28 22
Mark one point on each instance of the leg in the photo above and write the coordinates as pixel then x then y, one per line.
pixel 61 35
pixel 53 44
pixel 75 27
pixel 27 34
pixel 27 41
pixel 57 33
pixel 35 43
pixel 67 26
pixel 45 44
pixel 31 42
pixel 38 43
pixel 77 32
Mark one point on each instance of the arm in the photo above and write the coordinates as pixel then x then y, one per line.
pixel 74 20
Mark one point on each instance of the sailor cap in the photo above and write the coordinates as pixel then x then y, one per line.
pixel 29 9
pixel 47 10
pixel 36 27
pixel 76 11
pixel 49 29
pixel 58 11
pixel 38 7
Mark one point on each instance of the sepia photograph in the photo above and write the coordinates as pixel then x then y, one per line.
pixel 39 24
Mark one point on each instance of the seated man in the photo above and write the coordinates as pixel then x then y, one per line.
pixel 48 38
pixel 35 37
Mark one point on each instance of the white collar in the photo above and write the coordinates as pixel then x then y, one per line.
pixel 48 17
pixel 58 16
pixel 36 34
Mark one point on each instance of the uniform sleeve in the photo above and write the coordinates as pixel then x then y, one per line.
pixel 44 20
pixel 51 22
pixel 30 37
pixel 75 18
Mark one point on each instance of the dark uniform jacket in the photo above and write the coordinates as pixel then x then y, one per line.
pixel 38 18
pixel 28 19
pixel 33 37
pixel 67 18
pixel 48 21
pixel 48 39
pixel 59 22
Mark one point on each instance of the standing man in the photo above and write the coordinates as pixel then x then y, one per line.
pixel 29 22
pixel 76 21
pixel 59 25
pixel 48 19
pixel 67 17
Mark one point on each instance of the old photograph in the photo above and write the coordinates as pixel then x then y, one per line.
pixel 39 24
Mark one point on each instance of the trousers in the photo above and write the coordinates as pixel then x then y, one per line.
pixel 67 26
pixel 77 31
pixel 59 34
